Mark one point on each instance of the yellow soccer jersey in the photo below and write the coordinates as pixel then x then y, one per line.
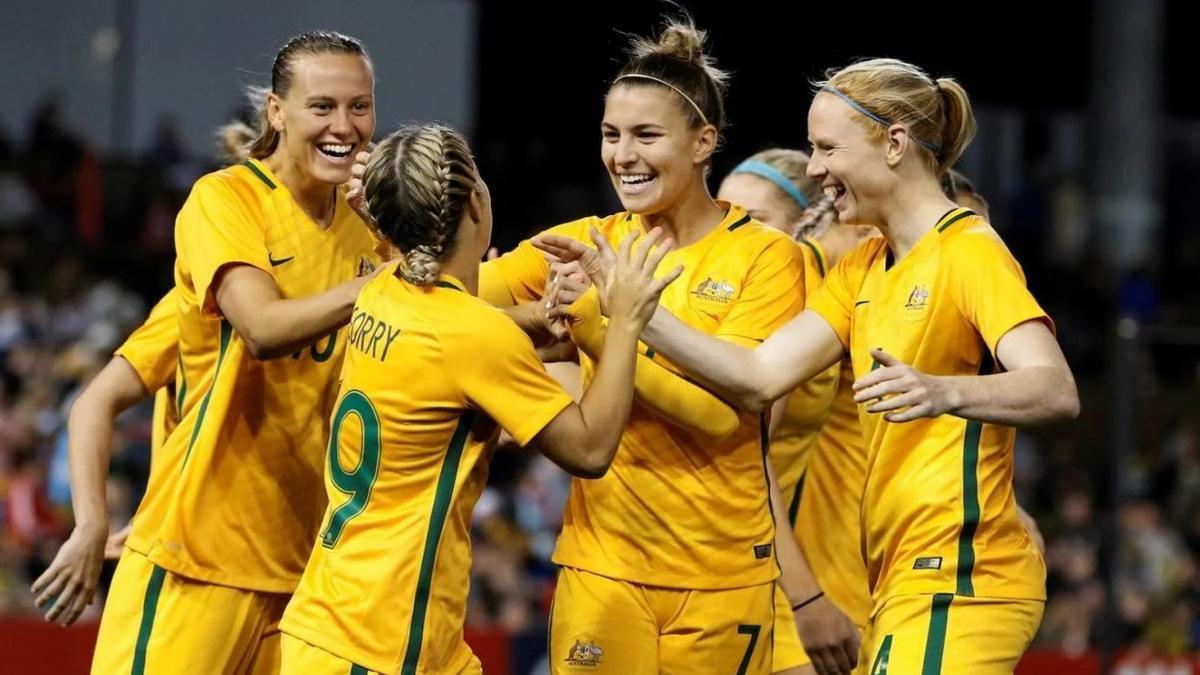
pixel 245 499
pixel 939 515
pixel 807 407
pixel 430 376
pixel 674 511
pixel 153 351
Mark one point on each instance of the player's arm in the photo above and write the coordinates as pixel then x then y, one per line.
pixel 583 438
pixel 1036 388
pixel 220 252
pixel 669 395
pixel 274 326
pixel 828 635
pixel 69 584
pixel 749 377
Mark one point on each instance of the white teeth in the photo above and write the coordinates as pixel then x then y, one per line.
pixel 336 149
pixel 635 178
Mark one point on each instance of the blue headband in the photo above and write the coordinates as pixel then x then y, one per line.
pixel 931 147
pixel 764 170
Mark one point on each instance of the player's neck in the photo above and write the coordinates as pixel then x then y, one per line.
pixel 463 267
pixel 836 241
pixel 912 213
pixel 315 198
pixel 690 220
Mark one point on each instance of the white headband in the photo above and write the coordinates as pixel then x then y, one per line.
pixel 703 117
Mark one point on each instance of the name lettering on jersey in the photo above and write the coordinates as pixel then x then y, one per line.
pixel 372 336
pixel 715 290
pixel 933 563
pixel 365 266
pixel 584 654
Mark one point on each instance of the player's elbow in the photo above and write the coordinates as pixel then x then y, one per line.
pixel 592 464
pixel 1067 403
pixel 591 471
pixel 753 400
pixel 1058 403
pixel 262 352
pixel 259 351
pixel 260 344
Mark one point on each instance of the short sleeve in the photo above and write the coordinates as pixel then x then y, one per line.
pixel 990 286
pixel 503 377
pixel 772 294
pixel 519 276
pixel 217 227
pixel 834 301
pixel 153 348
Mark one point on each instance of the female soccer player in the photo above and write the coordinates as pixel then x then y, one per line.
pixel 816 443
pixel 431 373
pixel 951 352
pixel 668 562
pixel 269 259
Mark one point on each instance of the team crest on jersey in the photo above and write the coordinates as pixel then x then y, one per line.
pixel 918 299
pixel 585 653
pixel 365 266
pixel 717 291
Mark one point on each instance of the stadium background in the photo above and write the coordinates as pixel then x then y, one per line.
pixel 1088 150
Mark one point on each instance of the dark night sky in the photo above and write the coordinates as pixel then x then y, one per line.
pixel 544 68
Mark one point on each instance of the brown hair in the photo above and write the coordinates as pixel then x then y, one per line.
pixel 677 58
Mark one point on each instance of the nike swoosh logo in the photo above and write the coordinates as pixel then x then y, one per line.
pixel 277 263
pixel 860 302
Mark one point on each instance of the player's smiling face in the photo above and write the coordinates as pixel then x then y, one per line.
pixel 327 116
pixel 651 154
pixel 849 165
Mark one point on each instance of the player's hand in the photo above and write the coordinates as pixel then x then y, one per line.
pixel 115 545
pixel 69 584
pixel 355 194
pixel 1031 526
pixel 568 250
pixel 829 636
pixel 902 392
pixel 565 284
pixel 630 292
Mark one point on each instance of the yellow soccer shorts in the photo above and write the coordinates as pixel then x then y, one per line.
pixel 156 621
pixel 789 652
pixel 951 634
pixel 603 625
pixel 302 658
